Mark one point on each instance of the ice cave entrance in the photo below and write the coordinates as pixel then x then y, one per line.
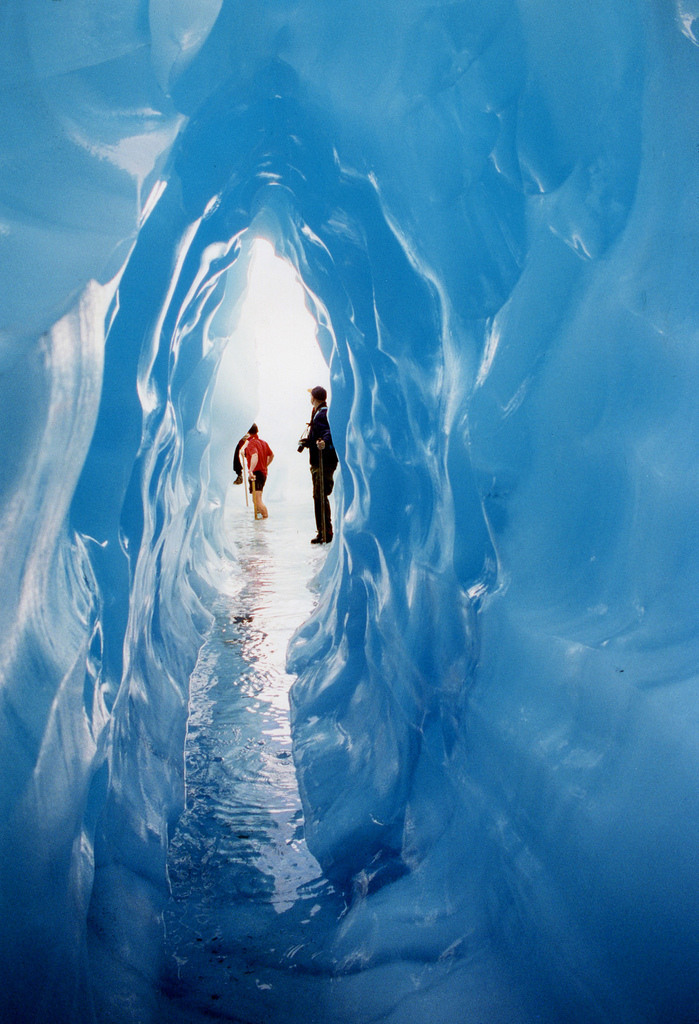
pixel 266 371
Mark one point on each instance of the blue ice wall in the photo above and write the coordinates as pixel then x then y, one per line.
pixel 493 207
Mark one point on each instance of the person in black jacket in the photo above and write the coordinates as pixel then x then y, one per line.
pixel 237 464
pixel 323 459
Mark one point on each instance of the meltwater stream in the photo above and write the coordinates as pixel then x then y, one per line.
pixel 250 924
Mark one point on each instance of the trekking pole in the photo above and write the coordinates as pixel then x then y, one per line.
pixel 245 474
pixel 254 506
pixel 322 493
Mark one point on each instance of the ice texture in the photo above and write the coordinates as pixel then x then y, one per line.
pixel 493 208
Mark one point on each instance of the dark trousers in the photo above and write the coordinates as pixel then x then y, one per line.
pixel 323 506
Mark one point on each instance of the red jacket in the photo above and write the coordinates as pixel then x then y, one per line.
pixel 264 453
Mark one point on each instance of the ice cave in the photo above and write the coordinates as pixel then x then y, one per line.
pixel 443 771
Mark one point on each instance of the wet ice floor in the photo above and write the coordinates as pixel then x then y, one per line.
pixel 251 927
pixel 250 924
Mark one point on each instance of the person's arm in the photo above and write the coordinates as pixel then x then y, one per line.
pixel 253 462
pixel 322 431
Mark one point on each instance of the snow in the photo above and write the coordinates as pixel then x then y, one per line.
pixel 490 210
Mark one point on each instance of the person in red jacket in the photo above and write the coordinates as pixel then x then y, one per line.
pixel 258 455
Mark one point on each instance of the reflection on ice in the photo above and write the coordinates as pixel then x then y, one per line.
pixel 254 932
pixel 249 908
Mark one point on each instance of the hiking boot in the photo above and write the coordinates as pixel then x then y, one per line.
pixel 238 479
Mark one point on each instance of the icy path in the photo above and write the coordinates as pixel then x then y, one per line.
pixel 254 933
pixel 251 920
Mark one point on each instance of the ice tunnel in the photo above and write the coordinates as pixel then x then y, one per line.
pixel 492 209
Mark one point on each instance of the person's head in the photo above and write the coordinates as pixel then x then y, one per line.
pixel 318 396
pixel 253 430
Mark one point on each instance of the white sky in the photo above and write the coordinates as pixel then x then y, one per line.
pixel 289 362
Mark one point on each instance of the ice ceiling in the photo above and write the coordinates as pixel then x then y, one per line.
pixel 493 210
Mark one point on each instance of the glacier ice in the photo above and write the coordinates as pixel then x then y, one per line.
pixel 492 207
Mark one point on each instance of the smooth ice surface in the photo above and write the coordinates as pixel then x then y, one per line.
pixel 492 209
pixel 250 923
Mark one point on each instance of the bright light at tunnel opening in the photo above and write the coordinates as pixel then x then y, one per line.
pixel 289 362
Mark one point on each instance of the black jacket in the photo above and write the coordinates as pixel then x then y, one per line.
pixel 320 431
